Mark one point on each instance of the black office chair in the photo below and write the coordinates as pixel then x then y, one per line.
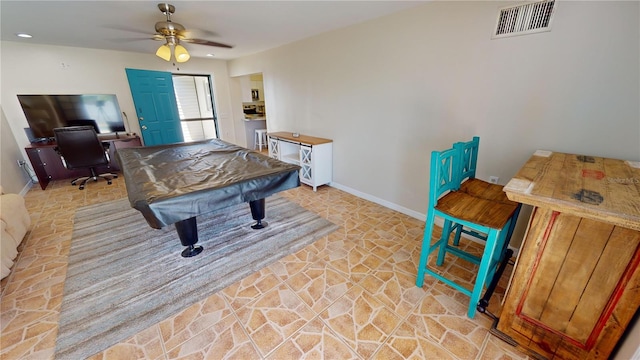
pixel 80 148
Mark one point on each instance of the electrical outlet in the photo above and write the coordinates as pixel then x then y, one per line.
pixel 21 163
pixel 493 179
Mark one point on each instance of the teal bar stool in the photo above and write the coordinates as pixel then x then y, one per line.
pixel 455 207
pixel 479 188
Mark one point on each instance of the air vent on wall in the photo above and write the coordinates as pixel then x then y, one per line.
pixel 524 19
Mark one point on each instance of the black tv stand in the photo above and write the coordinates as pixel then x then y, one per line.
pixel 47 165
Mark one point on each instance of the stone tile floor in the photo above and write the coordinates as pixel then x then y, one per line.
pixel 350 295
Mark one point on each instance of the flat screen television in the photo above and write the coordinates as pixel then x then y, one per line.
pixel 46 112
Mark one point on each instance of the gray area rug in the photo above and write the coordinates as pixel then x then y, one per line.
pixel 124 276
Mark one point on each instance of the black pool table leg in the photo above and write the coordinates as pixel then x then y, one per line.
pixel 257 212
pixel 188 233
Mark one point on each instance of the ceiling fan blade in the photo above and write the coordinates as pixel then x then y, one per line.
pixel 125 28
pixel 192 33
pixel 207 42
pixel 124 40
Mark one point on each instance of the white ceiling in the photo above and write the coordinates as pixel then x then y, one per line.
pixel 250 26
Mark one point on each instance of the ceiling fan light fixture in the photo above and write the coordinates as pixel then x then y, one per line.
pixel 173 34
pixel 182 55
pixel 164 52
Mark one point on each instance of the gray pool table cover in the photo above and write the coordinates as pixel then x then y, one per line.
pixel 170 183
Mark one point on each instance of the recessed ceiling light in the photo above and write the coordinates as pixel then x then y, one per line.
pixel 23 35
pixel 209 54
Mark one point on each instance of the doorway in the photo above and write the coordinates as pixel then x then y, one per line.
pixel 254 112
pixel 196 108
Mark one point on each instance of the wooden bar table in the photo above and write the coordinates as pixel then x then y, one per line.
pixel 576 283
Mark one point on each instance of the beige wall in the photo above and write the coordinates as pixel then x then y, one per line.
pixel 391 90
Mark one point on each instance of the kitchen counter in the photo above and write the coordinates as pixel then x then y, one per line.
pixel 250 126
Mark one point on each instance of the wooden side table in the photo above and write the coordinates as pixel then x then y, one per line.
pixel 313 154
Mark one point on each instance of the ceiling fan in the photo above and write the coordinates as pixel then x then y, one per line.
pixel 173 33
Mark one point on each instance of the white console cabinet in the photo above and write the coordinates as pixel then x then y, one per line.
pixel 314 155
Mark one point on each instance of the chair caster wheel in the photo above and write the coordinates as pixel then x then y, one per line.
pixel 108 182
pixel 81 188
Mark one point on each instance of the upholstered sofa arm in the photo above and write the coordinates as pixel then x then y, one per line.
pixel 14 223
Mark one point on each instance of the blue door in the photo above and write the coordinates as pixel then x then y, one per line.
pixel 156 107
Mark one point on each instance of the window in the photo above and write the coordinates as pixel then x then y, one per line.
pixel 195 107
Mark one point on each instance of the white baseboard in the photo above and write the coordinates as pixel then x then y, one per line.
pixel 26 188
pixel 404 210
pixel 385 203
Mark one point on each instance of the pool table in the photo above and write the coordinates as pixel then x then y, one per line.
pixel 172 184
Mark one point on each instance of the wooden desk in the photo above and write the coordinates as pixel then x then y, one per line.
pixel 47 165
pixel 576 284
